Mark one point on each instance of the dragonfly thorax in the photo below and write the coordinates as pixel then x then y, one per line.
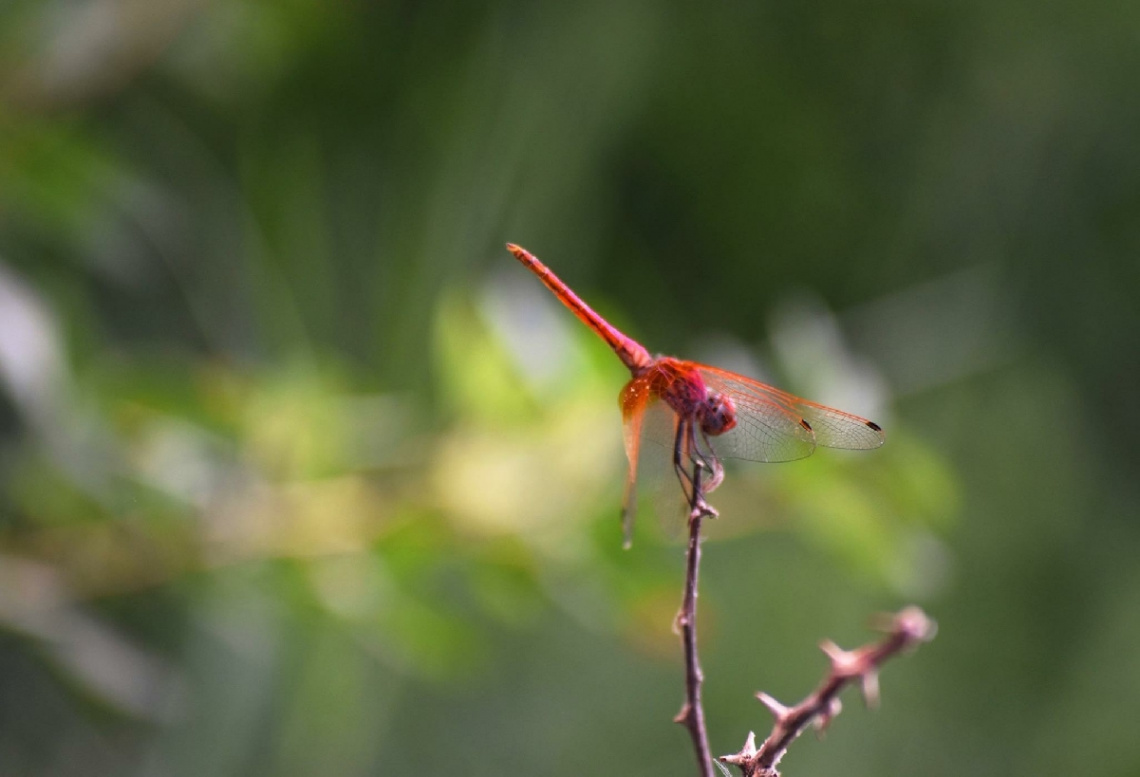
pixel 683 389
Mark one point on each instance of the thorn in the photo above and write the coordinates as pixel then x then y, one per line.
pixel 680 622
pixel 834 707
pixel 746 754
pixel 682 717
pixel 871 689
pixel 843 662
pixel 779 711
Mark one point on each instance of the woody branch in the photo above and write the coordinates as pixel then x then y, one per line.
pixel 692 714
pixel 905 630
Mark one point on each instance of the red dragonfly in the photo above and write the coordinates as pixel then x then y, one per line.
pixel 747 419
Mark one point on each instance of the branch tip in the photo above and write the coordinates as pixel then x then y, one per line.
pixel 914 625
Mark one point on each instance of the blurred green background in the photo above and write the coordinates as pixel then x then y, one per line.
pixel 302 474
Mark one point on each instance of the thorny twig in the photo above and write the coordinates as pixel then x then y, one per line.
pixel 905 630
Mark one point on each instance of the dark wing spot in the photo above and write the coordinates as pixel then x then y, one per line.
pixel 806 425
pixel 874 426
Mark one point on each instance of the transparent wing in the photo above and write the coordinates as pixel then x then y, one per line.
pixel 657 483
pixel 650 427
pixel 634 398
pixel 773 425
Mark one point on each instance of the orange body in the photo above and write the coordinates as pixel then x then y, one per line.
pixel 632 354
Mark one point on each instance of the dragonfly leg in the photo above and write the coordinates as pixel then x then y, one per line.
pixel 711 461
pixel 686 450
pixel 680 457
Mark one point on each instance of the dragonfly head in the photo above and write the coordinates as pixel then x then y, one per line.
pixel 716 414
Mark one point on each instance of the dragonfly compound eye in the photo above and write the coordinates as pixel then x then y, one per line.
pixel 716 414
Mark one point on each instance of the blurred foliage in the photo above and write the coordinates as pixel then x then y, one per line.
pixel 301 474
